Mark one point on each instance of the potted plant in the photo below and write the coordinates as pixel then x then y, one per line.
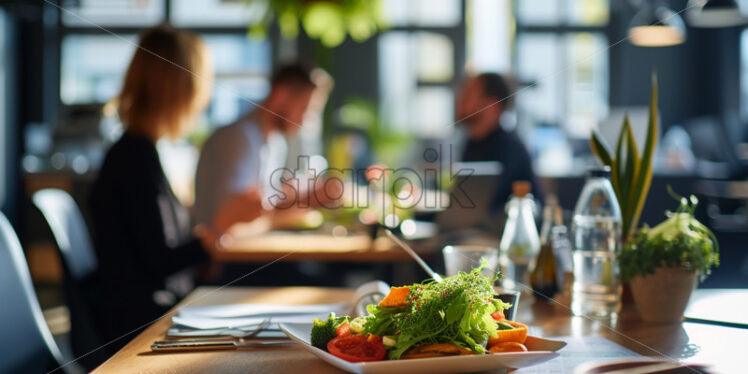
pixel 663 264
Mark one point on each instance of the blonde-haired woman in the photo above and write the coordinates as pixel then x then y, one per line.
pixel 143 236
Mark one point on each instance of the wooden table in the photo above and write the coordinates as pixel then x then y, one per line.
pixel 722 347
pixel 295 246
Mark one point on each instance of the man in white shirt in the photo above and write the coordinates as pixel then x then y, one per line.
pixel 245 154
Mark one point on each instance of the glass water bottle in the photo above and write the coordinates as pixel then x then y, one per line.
pixel 519 243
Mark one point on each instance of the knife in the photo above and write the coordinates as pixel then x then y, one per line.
pixel 212 345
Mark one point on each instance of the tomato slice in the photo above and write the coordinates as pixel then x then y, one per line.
pixel 498 315
pixel 344 329
pixel 356 348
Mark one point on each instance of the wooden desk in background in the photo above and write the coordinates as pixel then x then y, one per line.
pixel 721 347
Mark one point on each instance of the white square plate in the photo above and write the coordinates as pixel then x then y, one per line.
pixel 541 350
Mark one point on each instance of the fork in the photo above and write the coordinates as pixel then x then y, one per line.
pixel 229 333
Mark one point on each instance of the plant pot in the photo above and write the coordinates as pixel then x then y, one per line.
pixel 663 296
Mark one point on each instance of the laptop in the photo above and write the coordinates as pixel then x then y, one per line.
pixel 471 198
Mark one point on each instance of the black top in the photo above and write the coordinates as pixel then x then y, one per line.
pixel 142 235
pixel 506 148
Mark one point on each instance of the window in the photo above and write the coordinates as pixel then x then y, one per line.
pixel 556 49
pixel 93 61
pixel 564 12
pixel 561 56
pixel 401 13
pixel 489 36
pixel 213 13
pixel 568 78
pixel 117 13
pixel 557 52
pixel 418 65
pixel 242 67
pixel 92 67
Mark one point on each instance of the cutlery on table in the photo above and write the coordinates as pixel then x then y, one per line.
pixel 235 333
pixel 232 333
pixel 204 323
pixel 209 345
pixel 215 339
pixel 415 255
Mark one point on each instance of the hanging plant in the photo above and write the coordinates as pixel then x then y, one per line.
pixel 328 21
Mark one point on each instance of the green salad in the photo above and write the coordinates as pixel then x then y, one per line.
pixel 459 312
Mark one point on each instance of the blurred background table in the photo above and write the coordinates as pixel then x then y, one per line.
pixel 315 258
pixel 311 245
pixel 719 346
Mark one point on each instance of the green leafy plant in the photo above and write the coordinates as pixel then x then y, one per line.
pixel 329 21
pixel 679 241
pixel 389 146
pixel 631 172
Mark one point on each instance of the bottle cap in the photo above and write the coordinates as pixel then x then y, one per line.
pixel 599 172
pixel 520 188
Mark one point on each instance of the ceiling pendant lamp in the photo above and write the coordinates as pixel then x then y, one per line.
pixel 714 13
pixel 656 25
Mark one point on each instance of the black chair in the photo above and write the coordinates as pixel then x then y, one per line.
pixel 80 269
pixel 26 344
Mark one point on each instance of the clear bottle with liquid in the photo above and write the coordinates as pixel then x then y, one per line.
pixel 520 243
pixel 596 241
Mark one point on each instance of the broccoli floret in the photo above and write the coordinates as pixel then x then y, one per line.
pixel 324 331
pixel 358 325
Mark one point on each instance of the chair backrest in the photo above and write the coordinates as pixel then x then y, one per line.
pixel 69 230
pixel 25 340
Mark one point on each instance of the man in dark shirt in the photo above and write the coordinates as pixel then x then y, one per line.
pixel 482 100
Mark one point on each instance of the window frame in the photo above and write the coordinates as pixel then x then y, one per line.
pixel 457 35
pixel 64 30
pixel 560 30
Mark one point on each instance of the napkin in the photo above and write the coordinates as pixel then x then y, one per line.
pixel 258 310
pixel 212 317
pixel 229 323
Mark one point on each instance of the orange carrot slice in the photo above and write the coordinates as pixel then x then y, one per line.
pixel 518 334
pixel 507 347
pixel 397 298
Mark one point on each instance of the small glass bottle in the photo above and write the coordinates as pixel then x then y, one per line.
pixel 520 243
pixel 543 278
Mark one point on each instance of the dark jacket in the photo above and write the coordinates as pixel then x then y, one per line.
pixel 142 235
pixel 505 147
